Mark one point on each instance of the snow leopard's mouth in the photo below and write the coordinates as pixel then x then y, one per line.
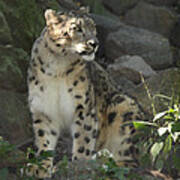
pixel 89 55
pixel 85 53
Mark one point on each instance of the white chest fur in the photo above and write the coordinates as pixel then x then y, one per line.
pixel 55 102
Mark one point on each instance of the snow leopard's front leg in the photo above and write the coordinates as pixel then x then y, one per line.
pixel 85 126
pixel 46 135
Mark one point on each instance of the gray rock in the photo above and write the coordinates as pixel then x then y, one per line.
pixel 122 81
pixel 162 2
pixel 97 7
pixel 68 4
pixel 25 20
pixel 165 83
pixel 153 18
pixel 119 7
pixel 106 24
pixel 131 67
pixel 175 35
pixel 5 34
pixel 13 65
pixel 176 55
pixel 14 117
pixel 152 47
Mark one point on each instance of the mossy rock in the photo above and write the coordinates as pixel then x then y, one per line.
pixel 119 7
pixel 5 35
pixel 15 121
pixel 13 67
pixel 97 7
pixel 25 19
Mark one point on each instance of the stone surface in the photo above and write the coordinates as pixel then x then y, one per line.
pixel 119 7
pixel 131 67
pixel 5 34
pixel 25 19
pixel 13 65
pixel 22 21
pixel 96 7
pixel 68 4
pixel 104 25
pixel 162 2
pixel 14 117
pixel 175 35
pixel 165 83
pixel 152 47
pixel 176 55
pixel 122 81
pixel 153 18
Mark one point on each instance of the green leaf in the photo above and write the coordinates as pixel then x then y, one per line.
pixel 46 154
pixel 168 117
pixel 142 124
pixel 171 110
pixel 168 144
pixel 159 115
pixel 176 127
pixel 155 149
pixel 162 130
pixel 175 136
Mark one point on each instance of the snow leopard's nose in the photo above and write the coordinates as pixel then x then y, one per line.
pixel 93 43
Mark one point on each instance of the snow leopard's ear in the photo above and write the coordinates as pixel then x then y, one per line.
pixel 51 17
pixel 84 10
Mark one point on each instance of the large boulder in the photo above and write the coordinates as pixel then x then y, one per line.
pixel 25 19
pixel 152 47
pixel 68 4
pixel 13 67
pixel 131 67
pixel 104 25
pixel 176 55
pixel 160 87
pixel 153 18
pixel 119 7
pixel 95 6
pixel 5 34
pixel 162 2
pixel 175 34
pixel 14 117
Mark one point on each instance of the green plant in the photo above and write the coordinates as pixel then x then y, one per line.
pixel 168 133
pixel 162 138
pixel 5 150
pixel 12 157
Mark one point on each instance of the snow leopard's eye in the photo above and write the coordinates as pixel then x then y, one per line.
pixel 77 28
